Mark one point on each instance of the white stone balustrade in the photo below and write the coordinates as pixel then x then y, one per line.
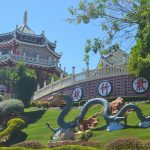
pixel 30 60
pixel 89 75
pixel 3 57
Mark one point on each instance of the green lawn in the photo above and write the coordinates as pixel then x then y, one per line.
pixel 38 131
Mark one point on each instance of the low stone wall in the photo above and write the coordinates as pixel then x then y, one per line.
pixel 120 86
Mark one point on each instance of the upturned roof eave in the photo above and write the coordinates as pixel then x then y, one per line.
pixel 46 44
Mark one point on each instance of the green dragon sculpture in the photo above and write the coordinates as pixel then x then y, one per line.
pixel 113 122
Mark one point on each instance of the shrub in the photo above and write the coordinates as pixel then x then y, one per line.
pixel 83 136
pixel 131 143
pixel 29 144
pixel 16 148
pixel 70 142
pixel 71 147
pixel 40 104
pixel 44 104
pixel 34 103
pixel 75 147
pixel 146 145
pixel 11 106
pixel 1 98
pixel 13 126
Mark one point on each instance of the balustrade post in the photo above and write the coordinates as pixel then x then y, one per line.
pixel 73 74
pixel 87 69
pixel 52 80
pixel 83 70
pixel 44 83
pixel 61 78
pixel 61 75
pixel 64 69
pixel 49 60
pixel 60 65
pixel 37 56
pixel 73 70
pixel 38 87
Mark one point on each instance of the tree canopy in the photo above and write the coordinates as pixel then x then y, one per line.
pixel 21 80
pixel 120 20
pixel 24 83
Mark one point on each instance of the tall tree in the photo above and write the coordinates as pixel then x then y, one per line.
pixel 119 19
pixel 6 77
pixel 24 83
pixel 139 62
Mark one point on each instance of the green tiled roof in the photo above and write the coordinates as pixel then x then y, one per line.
pixel 116 56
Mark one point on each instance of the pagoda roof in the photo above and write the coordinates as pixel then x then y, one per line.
pixel 6 37
pixel 27 37
pixel 116 56
pixel 30 38
pixel 25 29
pixel 24 33
pixel 38 40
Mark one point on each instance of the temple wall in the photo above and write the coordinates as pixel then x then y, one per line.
pixel 33 51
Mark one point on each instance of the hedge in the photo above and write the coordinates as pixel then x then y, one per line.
pixel 11 106
pixel 29 144
pixel 40 103
pixel 13 126
pixel 68 147
pixel 131 143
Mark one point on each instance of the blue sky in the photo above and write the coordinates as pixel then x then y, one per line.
pixel 50 16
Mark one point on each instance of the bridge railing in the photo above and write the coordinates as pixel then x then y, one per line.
pixel 89 75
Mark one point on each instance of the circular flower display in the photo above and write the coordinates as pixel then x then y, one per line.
pixel 140 85
pixel 77 94
pixel 104 88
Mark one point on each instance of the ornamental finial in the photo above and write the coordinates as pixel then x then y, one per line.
pixel 25 18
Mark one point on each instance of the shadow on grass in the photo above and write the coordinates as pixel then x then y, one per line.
pixel 100 128
pixel 34 116
pixel 18 137
pixel 132 127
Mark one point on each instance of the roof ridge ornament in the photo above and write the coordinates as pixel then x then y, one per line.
pixel 25 19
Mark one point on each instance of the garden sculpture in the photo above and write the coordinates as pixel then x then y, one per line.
pixel 112 121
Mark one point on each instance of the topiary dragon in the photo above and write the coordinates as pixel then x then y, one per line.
pixel 110 120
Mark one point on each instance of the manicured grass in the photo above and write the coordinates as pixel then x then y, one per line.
pixel 38 131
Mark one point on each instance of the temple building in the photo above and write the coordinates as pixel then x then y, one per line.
pixel 114 56
pixel 36 51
